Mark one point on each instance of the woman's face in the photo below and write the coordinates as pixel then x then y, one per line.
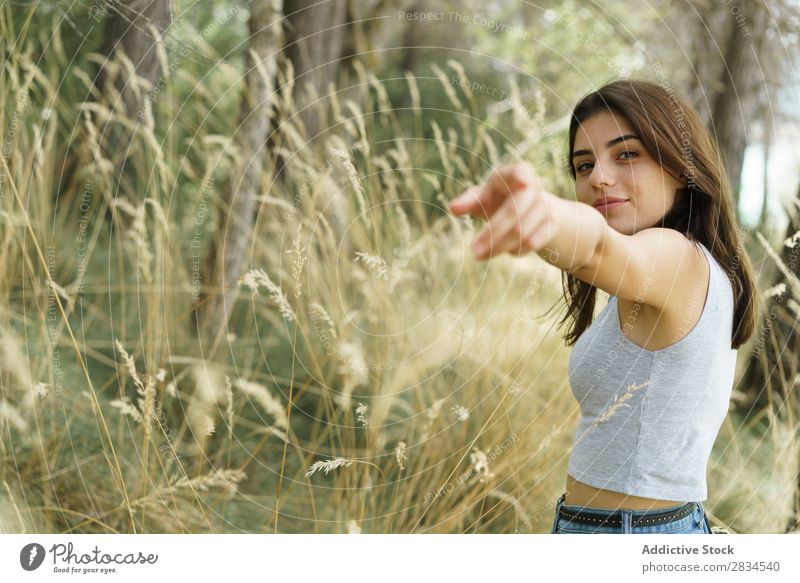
pixel 611 163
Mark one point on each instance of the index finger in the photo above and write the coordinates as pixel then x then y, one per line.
pixel 476 201
pixel 502 183
pixel 510 178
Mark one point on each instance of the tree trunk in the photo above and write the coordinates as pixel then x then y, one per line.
pixel 132 28
pixel 129 29
pixel 314 41
pixel 315 33
pixel 412 38
pixel 320 40
pixel 224 265
pixel 736 95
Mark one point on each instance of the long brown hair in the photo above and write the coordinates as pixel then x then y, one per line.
pixel 672 133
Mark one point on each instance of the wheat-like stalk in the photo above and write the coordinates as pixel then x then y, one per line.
pixel 480 464
pixel 375 262
pixel 361 414
pixel 63 293
pixel 432 413
pixel 435 409
pixel 147 393
pixel 462 74
pixel 137 237
pixel 400 454
pixel 775 290
pixel 299 260
pixel 352 175
pixel 267 401
pixel 329 465
pixel 317 312
pixel 354 368
pixel 147 403
pixel 40 389
pixel 172 389
pixel 126 408
pixel 405 226
pixel 357 115
pixel 441 147
pixel 461 412
pixel 793 280
pixel 13 360
pixel 10 414
pixel 791 242
pixel 384 105
pixel 228 479
pixel 255 277
pixel 448 88
pixel 413 90
pixel 794 306
pixel 131 365
pixel 208 425
pixel 103 165
pixel 621 402
pixel 491 150
pixel 545 443
pixel 229 405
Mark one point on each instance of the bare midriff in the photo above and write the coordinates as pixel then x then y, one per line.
pixel 580 494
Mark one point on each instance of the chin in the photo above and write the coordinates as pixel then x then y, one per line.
pixel 620 228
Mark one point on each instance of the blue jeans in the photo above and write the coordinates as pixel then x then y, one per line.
pixel 695 522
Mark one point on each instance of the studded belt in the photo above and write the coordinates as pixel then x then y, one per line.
pixel 613 518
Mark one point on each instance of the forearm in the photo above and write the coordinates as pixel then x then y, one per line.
pixel 579 230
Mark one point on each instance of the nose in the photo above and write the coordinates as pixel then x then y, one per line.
pixel 601 176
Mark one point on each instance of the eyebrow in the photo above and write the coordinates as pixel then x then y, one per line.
pixel 608 145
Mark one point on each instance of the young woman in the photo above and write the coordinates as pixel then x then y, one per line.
pixel 654 227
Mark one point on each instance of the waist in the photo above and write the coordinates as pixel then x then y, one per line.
pixel 581 494
pixel 606 520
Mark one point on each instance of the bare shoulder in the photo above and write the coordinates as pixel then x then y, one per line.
pixel 681 304
pixel 657 267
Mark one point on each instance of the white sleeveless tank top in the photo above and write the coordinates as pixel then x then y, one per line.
pixel 650 418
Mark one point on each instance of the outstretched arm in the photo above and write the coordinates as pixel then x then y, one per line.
pixel 653 266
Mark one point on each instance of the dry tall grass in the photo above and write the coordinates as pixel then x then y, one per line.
pixel 429 392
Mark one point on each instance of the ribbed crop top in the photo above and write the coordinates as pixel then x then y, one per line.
pixel 649 418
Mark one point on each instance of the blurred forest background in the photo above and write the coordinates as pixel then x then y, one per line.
pixel 233 300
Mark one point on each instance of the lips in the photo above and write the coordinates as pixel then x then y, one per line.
pixel 609 203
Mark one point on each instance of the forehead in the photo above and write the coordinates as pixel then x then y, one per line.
pixel 595 131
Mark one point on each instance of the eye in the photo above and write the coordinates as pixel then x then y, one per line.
pixel 629 152
pixel 580 167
